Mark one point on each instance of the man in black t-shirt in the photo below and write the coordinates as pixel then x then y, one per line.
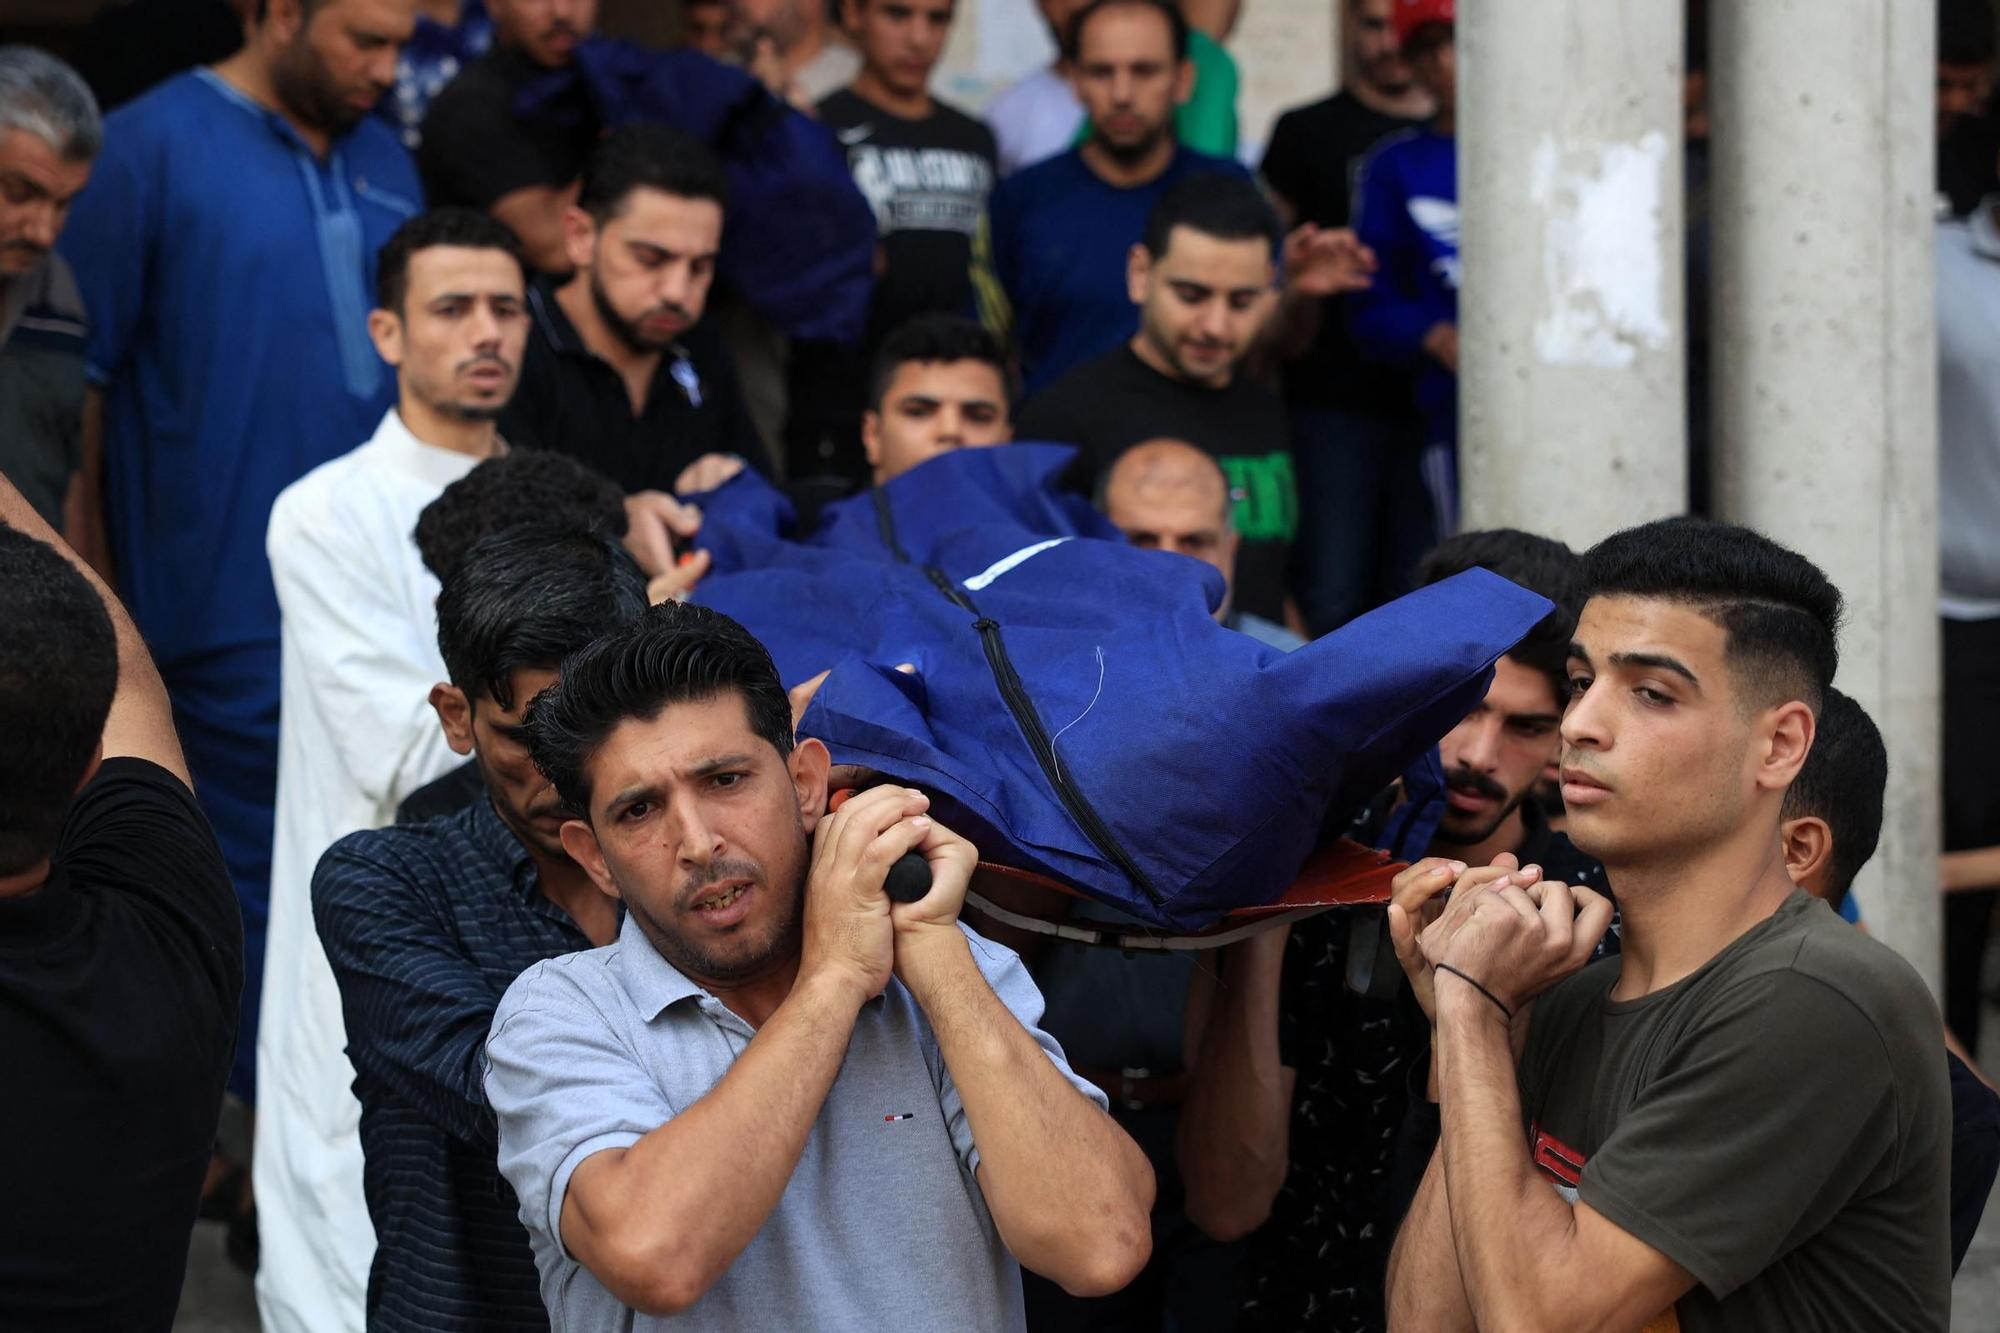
pixel 1361 497
pixel 1321 1009
pixel 620 372
pixel 121 956
pixel 926 169
pixel 1205 281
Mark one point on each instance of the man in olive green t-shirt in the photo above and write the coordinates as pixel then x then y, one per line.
pixel 1741 1122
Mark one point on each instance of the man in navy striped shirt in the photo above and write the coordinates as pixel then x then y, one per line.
pixel 427 924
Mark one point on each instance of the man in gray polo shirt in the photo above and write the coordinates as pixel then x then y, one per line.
pixel 780 1100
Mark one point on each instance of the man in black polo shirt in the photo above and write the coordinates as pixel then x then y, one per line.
pixel 620 372
pixel 1300 1081
pixel 121 955
pixel 426 926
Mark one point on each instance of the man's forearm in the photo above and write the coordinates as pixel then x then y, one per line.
pixel 1425 1290
pixel 1505 1219
pixel 1233 1139
pixel 83 507
pixel 662 1221
pixel 1069 1191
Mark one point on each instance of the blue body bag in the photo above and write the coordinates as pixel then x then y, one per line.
pixel 1076 709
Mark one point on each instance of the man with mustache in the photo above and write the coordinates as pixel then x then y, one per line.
pixel 355 736
pixel 620 372
pixel 780 1100
pixel 49 133
pixel 1302 1070
pixel 426 924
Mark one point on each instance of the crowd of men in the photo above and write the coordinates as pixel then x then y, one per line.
pixel 372 761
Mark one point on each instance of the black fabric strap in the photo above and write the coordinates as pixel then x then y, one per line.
pixel 1468 978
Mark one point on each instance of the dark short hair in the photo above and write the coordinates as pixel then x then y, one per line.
pixel 528 597
pixel 1845 775
pixel 58 673
pixel 1225 207
pixel 1965 32
pixel 1177 23
pixel 675 653
pixel 523 486
pixel 648 157
pixel 934 338
pixel 1539 564
pixel 462 227
pixel 1780 613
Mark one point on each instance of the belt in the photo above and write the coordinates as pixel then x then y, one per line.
pixel 1136 1089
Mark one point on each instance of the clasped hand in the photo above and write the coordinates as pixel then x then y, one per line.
pixel 1502 926
pixel 851 926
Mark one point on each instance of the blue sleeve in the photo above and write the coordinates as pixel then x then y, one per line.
pixel 1850 910
pixel 417 1010
pixel 108 243
pixel 1390 319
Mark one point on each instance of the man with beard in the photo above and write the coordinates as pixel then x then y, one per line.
pixel 1062 228
pixel 49 132
pixel 1300 1075
pixel 779 1100
pixel 354 736
pixel 427 924
pixel 620 372
pixel 225 248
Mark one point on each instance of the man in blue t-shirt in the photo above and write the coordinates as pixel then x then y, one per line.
pixel 225 249
pixel 1406 211
pixel 1061 229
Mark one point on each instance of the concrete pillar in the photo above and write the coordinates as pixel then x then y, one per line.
pixel 1572 412
pixel 1825 365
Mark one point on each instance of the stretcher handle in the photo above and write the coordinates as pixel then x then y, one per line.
pixel 909 878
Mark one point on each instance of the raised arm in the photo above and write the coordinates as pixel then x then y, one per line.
pixel 141 721
pixel 1070 1192
pixel 1233 1140
pixel 1528 1259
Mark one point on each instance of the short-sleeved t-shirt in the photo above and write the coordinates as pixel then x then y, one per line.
pixel 1778 1124
pixel 1117 401
pixel 882 1226
pixel 927 181
pixel 119 979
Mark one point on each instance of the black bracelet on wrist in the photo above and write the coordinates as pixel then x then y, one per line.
pixel 1470 980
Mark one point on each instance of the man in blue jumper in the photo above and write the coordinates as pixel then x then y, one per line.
pixel 1407 212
